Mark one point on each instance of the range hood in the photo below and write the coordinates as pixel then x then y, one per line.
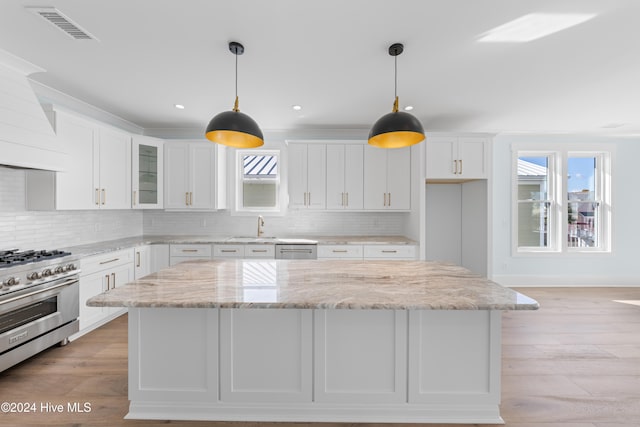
pixel 27 138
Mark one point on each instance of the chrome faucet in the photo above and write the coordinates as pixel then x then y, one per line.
pixel 260 225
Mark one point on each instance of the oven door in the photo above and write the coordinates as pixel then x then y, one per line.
pixel 38 310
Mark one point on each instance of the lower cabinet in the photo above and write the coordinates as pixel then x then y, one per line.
pixel 243 251
pixel 99 274
pixel 188 252
pixel 367 252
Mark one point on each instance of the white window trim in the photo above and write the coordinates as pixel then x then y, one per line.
pixel 239 210
pixel 558 211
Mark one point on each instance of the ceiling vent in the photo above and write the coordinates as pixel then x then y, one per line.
pixel 62 22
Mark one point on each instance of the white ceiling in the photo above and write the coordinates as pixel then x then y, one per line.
pixel 330 56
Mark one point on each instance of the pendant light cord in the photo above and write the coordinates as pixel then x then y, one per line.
pixel 235 105
pixel 395 87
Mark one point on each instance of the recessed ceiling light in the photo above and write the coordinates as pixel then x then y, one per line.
pixel 179 106
pixel 297 107
pixel 534 26
pixel 408 108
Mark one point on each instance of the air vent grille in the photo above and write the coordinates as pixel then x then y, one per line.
pixel 62 22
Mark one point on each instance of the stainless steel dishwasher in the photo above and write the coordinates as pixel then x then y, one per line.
pixel 297 251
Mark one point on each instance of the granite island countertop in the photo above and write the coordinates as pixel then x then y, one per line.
pixel 323 284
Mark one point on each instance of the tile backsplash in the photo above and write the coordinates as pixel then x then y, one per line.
pixel 24 229
pixel 55 229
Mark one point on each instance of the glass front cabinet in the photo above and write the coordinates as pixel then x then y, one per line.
pixel 147 178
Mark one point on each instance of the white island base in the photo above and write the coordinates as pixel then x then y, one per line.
pixel 315 365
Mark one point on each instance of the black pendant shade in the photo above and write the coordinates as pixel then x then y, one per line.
pixel 396 129
pixel 233 128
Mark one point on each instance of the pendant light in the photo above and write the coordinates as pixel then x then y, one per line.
pixel 396 129
pixel 233 128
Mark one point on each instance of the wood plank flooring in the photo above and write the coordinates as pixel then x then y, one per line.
pixel 573 363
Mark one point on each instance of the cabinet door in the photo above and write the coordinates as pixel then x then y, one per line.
pixel 353 176
pixel 399 178
pixel 202 176
pixel 375 177
pixel 146 173
pixel 115 169
pixel 91 285
pixel 472 155
pixel 336 198
pixel 441 157
pixel 142 261
pixel 297 154
pixel 119 276
pixel 75 187
pixel 316 176
pixel 159 257
pixel 176 175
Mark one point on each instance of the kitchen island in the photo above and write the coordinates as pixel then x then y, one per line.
pixel 315 341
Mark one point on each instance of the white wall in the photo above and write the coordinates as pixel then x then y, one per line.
pixel 619 268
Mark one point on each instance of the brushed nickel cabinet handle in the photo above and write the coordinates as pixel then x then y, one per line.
pixel 186 198
pixel 134 197
pixel 231 251
pixel 97 197
pixel 389 199
pixel 190 198
pixel 113 276
pixel 137 259
pixel 189 250
pixel 108 282
pixel 258 251
pixel 339 251
pixel 347 194
pixel 460 166
pixel 389 251
pixel 104 196
pixel 110 261
pixel 455 167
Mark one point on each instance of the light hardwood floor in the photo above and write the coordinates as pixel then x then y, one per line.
pixel 573 363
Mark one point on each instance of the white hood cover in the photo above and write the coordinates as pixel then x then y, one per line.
pixel 27 139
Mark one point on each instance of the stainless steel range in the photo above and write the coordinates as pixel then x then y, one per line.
pixel 39 302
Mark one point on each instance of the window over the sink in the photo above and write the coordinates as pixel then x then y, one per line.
pixel 258 183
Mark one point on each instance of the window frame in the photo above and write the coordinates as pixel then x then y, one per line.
pixel 240 179
pixel 558 214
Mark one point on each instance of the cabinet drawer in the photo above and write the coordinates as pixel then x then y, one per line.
pixel 105 261
pixel 340 251
pixel 259 251
pixel 390 251
pixel 196 250
pixel 228 251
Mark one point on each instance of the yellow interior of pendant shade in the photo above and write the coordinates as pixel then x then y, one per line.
pixel 396 139
pixel 234 139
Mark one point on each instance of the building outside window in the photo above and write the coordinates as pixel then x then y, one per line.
pixel 562 201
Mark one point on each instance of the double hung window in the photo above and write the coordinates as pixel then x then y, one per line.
pixel 562 201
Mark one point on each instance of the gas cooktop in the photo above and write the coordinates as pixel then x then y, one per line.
pixel 11 257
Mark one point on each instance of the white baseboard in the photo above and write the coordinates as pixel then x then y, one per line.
pixel 551 281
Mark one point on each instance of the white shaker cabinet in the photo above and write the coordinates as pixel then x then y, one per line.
pixel 194 176
pixel 345 179
pixel 98 175
pixel 307 175
pixel 99 274
pixel 387 178
pixel 147 165
pixel 453 157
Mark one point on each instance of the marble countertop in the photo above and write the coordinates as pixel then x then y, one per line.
pixel 323 284
pixel 126 243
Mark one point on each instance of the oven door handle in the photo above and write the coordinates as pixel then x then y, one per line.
pixel 60 285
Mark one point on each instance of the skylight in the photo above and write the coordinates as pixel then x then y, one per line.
pixel 534 26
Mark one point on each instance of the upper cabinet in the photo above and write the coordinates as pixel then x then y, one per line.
pixel 147 189
pixel 98 175
pixel 194 175
pixel 452 157
pixel 307 175
pixel 345 176
pixel 387 178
